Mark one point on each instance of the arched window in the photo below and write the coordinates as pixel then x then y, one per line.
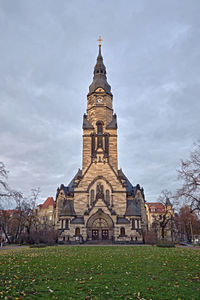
pixel 77 231
pixel 106 145
pixel 93 145
pixel 108 197
pixel 91 196
pixel 122 231
pixel 99 127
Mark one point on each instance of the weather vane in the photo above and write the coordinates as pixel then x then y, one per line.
pixel 99 40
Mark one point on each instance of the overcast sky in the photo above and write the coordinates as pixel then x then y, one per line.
pixel 48 50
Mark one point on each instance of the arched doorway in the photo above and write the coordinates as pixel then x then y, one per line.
pixel 100 226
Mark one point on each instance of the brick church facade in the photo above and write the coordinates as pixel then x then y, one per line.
pixel 100 203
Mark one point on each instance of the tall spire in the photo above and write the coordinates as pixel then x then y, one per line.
pixel 100 79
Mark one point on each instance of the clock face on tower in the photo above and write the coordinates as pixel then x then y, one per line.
pixel 99 100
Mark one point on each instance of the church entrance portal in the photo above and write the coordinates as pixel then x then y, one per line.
pixel 102 234
pixel 100 227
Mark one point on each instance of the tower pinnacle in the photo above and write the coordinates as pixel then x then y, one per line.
pixel 99 78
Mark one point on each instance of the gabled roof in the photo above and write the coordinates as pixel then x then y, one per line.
pixel 86 123
pixel 156 207
pixel 9 212
pixel 133 208
pixel 77 220
pixel 129 187
pixel 71 184
pixel 122 220
pixel 48 202
pixel 68 208
pixel 70 187
pixel 113 123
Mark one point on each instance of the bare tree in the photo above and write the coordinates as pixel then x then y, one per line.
pixel 165 220
pixel 29 208
pixel 21 223
pixel 6 193
pixel 189 174
pixel 188 223
pixel 7 199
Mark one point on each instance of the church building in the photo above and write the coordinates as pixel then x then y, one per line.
pixel 100 203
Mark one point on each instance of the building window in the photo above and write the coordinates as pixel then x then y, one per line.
pixel 93 145
pixel 106 145
pixel 91 196
pixel 99 128
pixel 77 231
pixel 122 231
pixel 108 197
pixel 45 218
pixel 99 142
pixel 62 224
pixel 138 224
pixel 133 224
pixel 66 224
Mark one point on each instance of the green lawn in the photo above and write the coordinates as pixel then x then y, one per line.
pixel 105 272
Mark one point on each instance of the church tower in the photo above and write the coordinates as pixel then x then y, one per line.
pixel 100 203
pixel 100 124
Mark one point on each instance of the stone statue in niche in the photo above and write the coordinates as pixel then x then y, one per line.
pixel 99 191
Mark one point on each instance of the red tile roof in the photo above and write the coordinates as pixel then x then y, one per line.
pixel 48 202
pixel 156 207
pixel 9 212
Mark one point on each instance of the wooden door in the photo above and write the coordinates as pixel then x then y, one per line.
pixel 95 234
pixel 105 235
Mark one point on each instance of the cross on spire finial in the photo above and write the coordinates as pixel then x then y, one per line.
pixel 99 40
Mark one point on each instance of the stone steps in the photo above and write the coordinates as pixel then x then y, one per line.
pixel 99 242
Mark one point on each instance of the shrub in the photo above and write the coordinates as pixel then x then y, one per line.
pixel 165 244
pixel 48 237
pixel 38 246
pixel 150 237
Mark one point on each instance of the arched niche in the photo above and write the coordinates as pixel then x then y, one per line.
pixel 98 178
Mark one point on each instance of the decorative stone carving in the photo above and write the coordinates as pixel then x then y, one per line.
pixel 99 193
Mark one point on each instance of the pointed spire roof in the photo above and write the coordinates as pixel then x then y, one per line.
pixel 100 79
pixel 168 202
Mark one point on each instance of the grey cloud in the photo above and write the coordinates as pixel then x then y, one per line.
pixel 48 50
